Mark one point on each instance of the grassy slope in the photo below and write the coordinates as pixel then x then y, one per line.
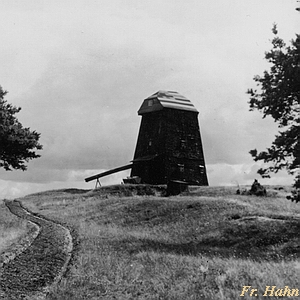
pixel 205 245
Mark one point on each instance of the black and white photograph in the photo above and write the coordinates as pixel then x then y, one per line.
pixel 149 149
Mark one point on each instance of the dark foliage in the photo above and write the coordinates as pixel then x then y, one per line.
pixel 17 144
pixel 278 96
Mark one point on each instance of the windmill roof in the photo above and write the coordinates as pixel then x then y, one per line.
pixel 166 99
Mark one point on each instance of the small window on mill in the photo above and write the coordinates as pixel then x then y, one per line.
pixel 183 144
pixel 181 168
pixel 150 102
pixel 201 169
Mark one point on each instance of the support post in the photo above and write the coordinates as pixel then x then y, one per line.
pixel 97 183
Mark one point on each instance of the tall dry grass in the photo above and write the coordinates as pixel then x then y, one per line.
pixel 12 228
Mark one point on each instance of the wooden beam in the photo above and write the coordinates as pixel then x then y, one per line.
pixel 112 171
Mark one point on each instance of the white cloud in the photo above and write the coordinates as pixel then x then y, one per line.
pixel 242 174
pixel 80 70
pixel 74 179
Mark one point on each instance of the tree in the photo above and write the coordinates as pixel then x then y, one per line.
pixel 278 96
pixel 17 144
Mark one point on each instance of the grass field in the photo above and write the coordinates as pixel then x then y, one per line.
pixel 207 244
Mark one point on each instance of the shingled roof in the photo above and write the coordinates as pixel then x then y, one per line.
pixel 166 99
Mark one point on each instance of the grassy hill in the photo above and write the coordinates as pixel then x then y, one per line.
pixel 206 244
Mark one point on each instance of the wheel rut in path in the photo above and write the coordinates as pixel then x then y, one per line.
pixel 30 274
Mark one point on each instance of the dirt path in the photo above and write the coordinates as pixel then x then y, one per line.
pixel 41 264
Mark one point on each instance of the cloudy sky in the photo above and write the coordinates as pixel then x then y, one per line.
pixel 80 70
